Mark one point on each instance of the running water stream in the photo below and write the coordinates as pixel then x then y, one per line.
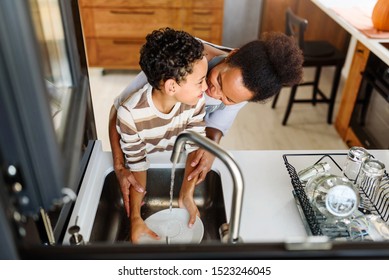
pixel 172 186
pixel 169 225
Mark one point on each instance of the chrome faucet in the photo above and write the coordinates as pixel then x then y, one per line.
pixel 236 174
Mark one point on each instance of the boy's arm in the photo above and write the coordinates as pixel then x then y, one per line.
pixel 185 199
pixel 125 177
pixel 138 226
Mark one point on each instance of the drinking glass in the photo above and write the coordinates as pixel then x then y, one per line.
pixel 369 180
pixel 311 171
pixel 355 157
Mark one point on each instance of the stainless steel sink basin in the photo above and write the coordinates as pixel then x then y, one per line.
pixel 112 225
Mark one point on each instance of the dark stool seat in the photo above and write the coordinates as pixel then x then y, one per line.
pixel 318 49
pixel 317 54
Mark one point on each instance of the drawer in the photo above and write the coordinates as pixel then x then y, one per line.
pixel 209 33
pixel 203 3
pixel 131 3
pixel 113 53
pixel 125 23
pixel 204 16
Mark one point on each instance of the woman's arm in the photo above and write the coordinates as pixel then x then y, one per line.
pixel 218 123
pixel 210 51
pixel 202 160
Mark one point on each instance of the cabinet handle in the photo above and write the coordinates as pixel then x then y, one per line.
pixel 202 13
pixel 125 42
pixel 117 12
pixel 203 28
pixel 360 51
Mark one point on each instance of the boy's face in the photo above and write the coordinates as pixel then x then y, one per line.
pixel 192 89
pixel 225 83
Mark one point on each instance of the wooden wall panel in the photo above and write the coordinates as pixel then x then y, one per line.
pixel 320 25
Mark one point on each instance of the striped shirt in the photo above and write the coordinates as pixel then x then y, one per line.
pixel 144 129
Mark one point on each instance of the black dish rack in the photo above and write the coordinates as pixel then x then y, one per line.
pixel 312 220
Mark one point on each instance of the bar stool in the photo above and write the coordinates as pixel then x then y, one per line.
pixel 317 54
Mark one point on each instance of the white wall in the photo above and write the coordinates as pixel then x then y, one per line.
pixel 241 21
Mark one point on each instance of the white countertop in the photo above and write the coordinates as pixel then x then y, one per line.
pixel 367 5
pixel 269 211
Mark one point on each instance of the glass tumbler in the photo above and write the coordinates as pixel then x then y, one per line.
pixel 381 198
pixel 355 157
pixel 311 171
pixel 370 176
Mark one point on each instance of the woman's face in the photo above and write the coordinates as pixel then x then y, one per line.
pixel 225 83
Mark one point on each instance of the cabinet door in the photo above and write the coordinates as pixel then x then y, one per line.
pixel 351 139
pixel 131 3
pixel 113 53
pixel 210 33
pixel 203 4
pixel 204 23
pixel 127 23
pixel 115 30
pixel 350 90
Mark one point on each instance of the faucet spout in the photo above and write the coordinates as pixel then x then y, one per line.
pixel 236 174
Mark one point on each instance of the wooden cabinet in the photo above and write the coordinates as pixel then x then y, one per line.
pixel 115 30
pixel 351 139
pixel 349 94
pixel 273 14
pixel 204 19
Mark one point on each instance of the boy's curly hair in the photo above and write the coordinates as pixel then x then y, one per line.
pixel 268 64
pixel 169 54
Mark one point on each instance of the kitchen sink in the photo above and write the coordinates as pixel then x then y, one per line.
pixel 112 225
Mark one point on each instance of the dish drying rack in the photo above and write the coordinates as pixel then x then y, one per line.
pixel 312 219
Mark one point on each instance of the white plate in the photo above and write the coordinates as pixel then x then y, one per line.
pixel 174 225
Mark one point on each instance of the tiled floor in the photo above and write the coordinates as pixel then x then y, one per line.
pixel 257 127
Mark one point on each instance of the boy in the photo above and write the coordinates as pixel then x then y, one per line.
pixel 151 118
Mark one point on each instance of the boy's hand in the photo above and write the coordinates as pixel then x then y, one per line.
pixel 138 228
pixel 127 180
pixel 186 201
pixel 203 161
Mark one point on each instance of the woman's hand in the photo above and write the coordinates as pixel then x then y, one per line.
pixel 126 181
pixel 202 163
pixel 203 159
